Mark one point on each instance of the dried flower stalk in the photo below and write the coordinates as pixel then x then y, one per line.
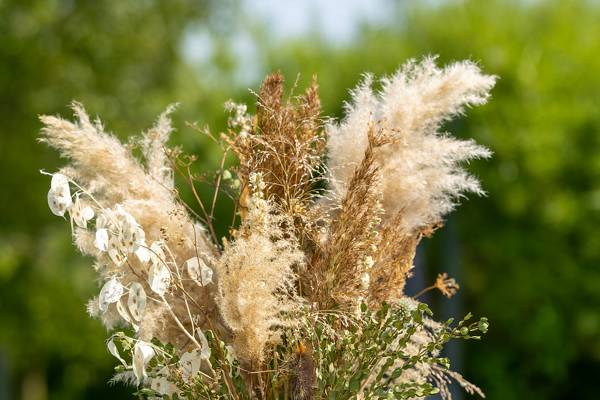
pixel 325 269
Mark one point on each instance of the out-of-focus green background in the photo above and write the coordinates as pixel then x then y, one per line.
pixel 527 256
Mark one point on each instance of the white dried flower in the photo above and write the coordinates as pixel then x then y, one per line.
pixel 199 271
pixel 130 233
pixel 190 363
pixel 59 195
pixel 112 348
pixel 159 278
pixel 110 293
pixel 120 235
pixel 122 310
pixel 142 354
pixel 136 301
pixel 157 254
pixel 101 240
pixel 80 213
pixel 115 249
pixel 142 253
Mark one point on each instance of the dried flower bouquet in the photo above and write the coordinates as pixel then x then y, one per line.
pixel 305 298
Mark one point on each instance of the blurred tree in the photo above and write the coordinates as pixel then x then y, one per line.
pixel 530 250
pixel 124 61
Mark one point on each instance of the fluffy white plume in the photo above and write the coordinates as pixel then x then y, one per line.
pixel 421 166
pixel 134 204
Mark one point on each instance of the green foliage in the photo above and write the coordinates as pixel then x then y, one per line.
pixel 530 250
pixel 123 60
pixel 367 354
pixel 370 354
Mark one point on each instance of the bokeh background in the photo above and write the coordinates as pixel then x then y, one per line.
pixel 527 256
